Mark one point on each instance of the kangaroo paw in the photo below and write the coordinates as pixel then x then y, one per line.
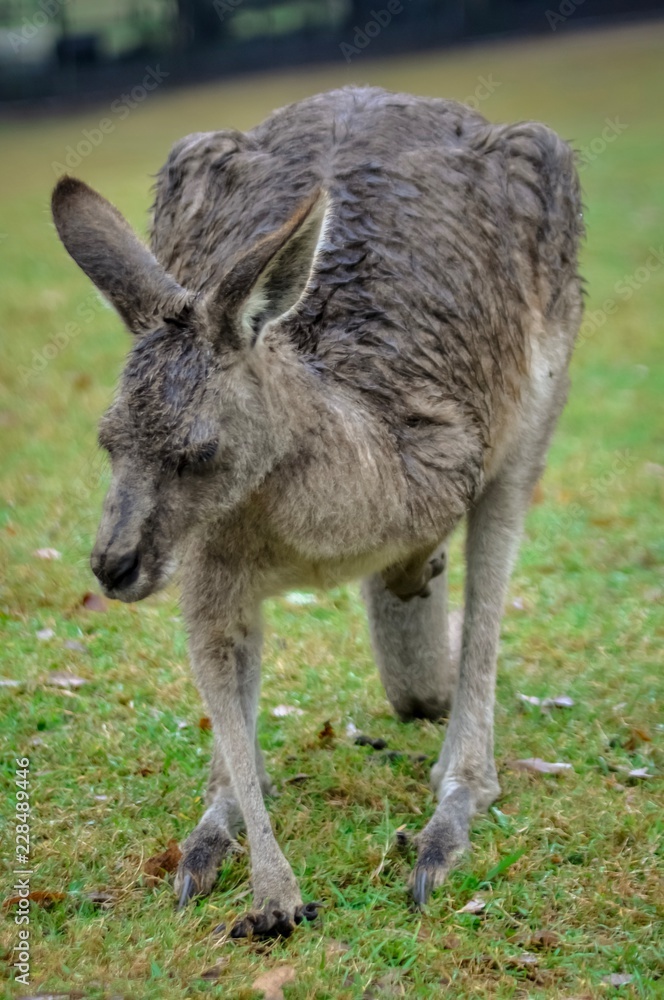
pixel 203 852
pixel 273 921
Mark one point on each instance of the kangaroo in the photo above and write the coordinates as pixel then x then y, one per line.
pixel 352 329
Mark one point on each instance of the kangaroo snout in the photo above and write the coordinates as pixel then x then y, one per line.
pixel 116 571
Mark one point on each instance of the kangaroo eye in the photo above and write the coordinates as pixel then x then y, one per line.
pixel 196 461
pixel 206 453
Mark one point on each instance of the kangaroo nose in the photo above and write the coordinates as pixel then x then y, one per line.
pixel 117 572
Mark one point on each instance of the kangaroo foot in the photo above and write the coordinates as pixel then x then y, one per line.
pixel 273 921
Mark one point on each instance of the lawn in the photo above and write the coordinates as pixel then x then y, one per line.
pixel 567 866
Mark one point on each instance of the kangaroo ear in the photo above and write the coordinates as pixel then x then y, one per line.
pixel 270 278
pixel 105 246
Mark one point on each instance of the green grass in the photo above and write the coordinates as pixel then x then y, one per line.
pixel 575 855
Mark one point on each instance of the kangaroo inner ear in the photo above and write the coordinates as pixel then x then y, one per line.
pixel 270 278
pixel 104 245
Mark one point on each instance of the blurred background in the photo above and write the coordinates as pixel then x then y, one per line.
pixel 67 49
pixel 99 694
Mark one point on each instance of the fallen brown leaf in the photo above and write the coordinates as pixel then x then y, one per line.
pixel 160 865
pixel 523 961
pixel 538 766
pixel 270 982
pixel 537 494
pixel 216 970
pixel 326 735
pixel 544 939
pixel 204 722
pixel 450 942
pixel 335 948
pixel 82 381
pixel 93 602
pixel 43 897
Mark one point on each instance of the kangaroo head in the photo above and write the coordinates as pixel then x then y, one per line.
pixel 190 433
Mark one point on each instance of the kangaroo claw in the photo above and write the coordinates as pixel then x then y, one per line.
pixel 422 887
pixel 188 891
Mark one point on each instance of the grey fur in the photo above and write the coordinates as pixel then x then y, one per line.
pixel 353 329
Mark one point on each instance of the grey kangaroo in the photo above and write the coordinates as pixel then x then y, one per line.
pixel 352 329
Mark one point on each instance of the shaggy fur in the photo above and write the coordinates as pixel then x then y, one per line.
pixel 353 329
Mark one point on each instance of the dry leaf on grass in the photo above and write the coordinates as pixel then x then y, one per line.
pixel 640 773
pixel 635 737
pixel 529 699
pixel 54 996
pixel 618 979
pixel 475 905
pixel 61 679
pixel 47 554
pixel 216 970
pixel 335 948
pixel 271 982
pixel 160 865
pixel 43 897
pixel 544 939
pixel 204 723
pixel 93 602
pixel 77 647
pixel 523 961
pixel 559 701
pixel 450 942
pixel 535 765
pixel 326 735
